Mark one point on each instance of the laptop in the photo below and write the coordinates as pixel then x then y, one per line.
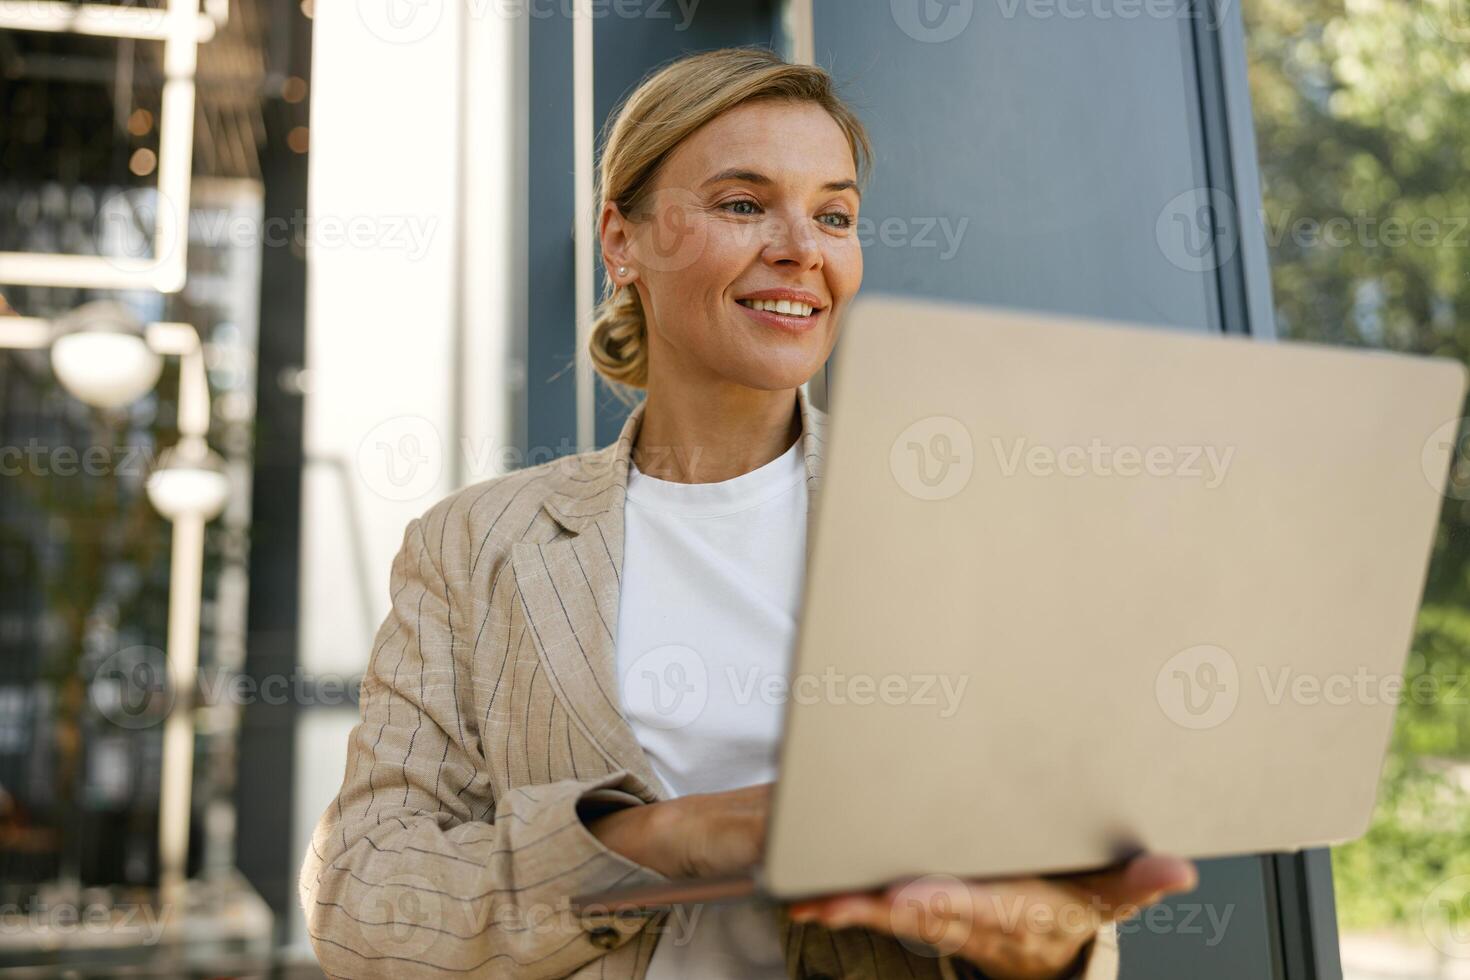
pixel 1078 589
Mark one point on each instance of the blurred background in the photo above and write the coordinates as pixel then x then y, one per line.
pixel 275 276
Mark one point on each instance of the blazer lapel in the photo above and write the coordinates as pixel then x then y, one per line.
pixel 571 586
pixel 813 446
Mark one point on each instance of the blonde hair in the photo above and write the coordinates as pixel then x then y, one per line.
pixel 663 111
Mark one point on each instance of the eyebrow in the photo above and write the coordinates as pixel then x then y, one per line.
pixel 752 177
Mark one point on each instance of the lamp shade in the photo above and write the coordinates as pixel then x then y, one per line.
pixel 105 370
pixel 101 357
pixel 190 481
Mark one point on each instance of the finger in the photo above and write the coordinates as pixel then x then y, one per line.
pixel 1143 881
pixel 842 911
pixel 992 921
pixel 1046 904
pixel 943 929
pixel 803 911
pixel 810 906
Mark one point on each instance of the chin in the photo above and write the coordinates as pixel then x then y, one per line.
pixel 767 377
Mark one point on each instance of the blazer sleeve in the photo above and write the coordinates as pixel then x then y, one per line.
pixel 416 869
pixel 1101 962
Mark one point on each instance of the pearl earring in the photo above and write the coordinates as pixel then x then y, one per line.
pixel 622 270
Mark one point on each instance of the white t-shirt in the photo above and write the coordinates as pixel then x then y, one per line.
pixel 711 591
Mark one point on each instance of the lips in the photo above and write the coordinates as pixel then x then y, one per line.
pixel 793 322
pixel 785 307
pixel 771 298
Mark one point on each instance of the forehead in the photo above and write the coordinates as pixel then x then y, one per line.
pixel 796 142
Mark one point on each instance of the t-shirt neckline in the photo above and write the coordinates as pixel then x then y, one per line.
pixel 725 497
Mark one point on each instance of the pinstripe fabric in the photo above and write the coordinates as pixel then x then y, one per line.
pixel 489 711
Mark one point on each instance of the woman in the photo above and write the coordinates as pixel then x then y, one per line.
pixel 524 735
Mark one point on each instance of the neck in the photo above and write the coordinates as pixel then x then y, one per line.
pixel 707 435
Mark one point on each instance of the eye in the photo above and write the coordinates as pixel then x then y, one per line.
pixel 844 220
pixel 744 201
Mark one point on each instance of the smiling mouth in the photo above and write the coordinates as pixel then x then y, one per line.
pixel 783 307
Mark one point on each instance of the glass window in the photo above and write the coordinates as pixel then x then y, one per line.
pixel 1362 114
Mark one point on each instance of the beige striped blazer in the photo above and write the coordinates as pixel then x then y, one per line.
pixel 489 713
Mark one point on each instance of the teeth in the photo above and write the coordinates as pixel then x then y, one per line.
pixel 783 306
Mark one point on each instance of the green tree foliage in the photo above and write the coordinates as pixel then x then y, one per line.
pixel 1362 111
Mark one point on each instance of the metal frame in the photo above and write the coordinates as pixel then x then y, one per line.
pixel 138 23
pixel 1302 907
pixel 584 232
pixel 265 841
pixel 1252 264
pixel 182 28
pixel 1306 915
pixel 1243 280
pixel 549 415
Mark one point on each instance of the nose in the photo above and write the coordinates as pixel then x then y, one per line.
pixel 792 242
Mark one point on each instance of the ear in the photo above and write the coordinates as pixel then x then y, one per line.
pixel 612 229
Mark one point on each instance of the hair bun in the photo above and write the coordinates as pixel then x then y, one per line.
pixel 618 343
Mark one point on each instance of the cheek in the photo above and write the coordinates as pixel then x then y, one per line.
pixel 845 268
pixel 728 250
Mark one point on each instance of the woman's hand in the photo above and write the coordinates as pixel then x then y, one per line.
pixel 1017 929
pixel 703 835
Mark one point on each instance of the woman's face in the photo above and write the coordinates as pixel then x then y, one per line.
pixel 757 207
